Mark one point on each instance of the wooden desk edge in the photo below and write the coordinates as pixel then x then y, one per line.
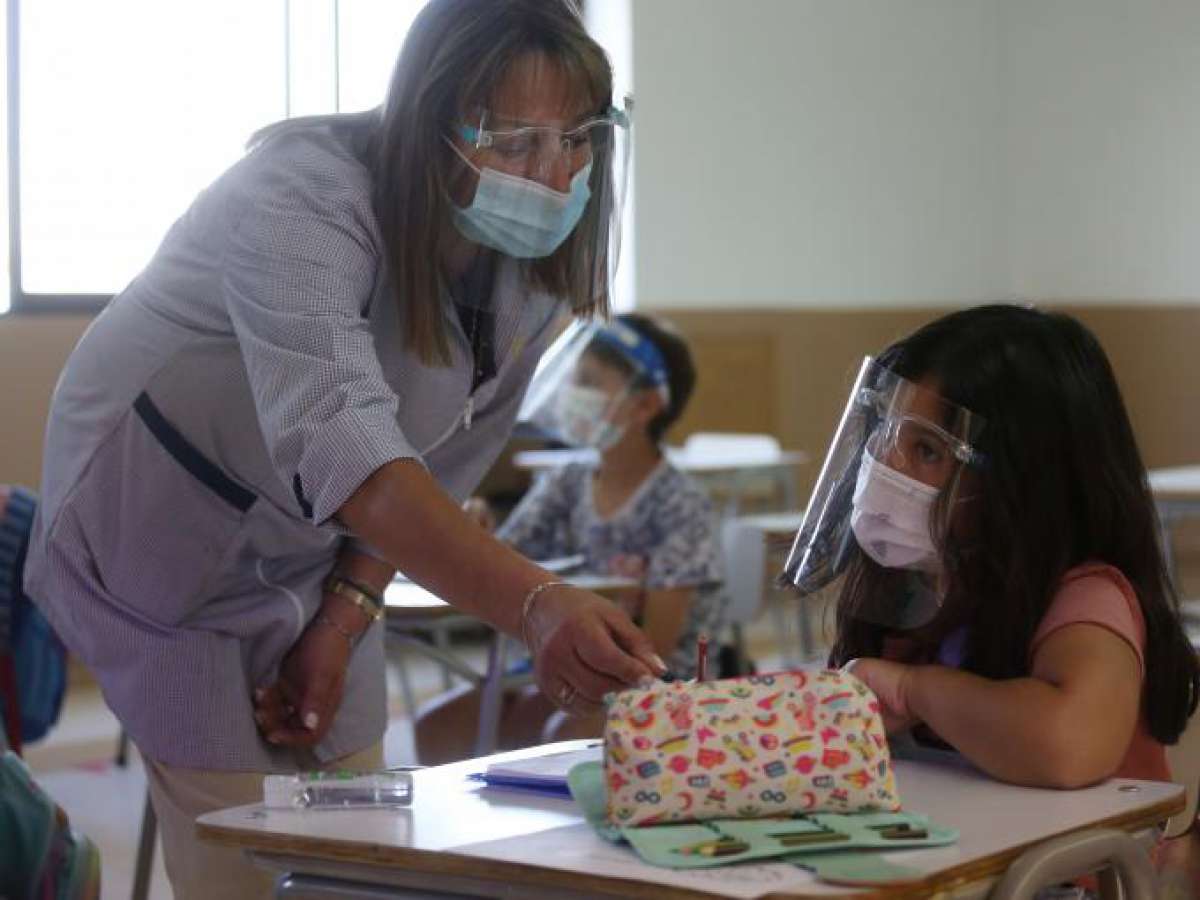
pixel 449 862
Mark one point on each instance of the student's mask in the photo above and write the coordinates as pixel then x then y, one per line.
pixel 582 416
pixel 520 218
pixel 891 517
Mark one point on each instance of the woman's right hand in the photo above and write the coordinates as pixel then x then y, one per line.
pixel 299 707
pixel 584 647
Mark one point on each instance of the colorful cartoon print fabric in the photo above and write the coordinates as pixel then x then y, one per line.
pixel 766 745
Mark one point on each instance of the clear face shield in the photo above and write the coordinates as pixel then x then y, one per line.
pixel 580 391
pixel 538 184
pixel 885 500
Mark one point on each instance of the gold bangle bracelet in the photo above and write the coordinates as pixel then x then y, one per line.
pixel 527 606
pixel 370 604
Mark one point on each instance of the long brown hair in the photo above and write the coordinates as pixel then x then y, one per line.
pixel 455 56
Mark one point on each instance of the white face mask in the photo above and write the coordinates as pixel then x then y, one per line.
pixel 891 517
pixel 581 413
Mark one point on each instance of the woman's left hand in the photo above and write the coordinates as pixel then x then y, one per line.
pixel 890 681
pixel 299 707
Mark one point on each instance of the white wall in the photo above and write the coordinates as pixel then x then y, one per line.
pixel 611 23
pixel 882 153
pixel 795 152
pixel 1103 141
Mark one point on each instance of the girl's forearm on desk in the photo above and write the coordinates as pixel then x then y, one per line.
pixel 1020 730
pixel 403 512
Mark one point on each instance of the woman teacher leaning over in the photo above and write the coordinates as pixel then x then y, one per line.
pixel 319 363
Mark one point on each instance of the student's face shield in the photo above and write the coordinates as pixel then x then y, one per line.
pixel 886 495
pixel 583 389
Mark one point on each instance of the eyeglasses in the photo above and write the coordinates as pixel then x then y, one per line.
pixel 533 148
pixel 912 436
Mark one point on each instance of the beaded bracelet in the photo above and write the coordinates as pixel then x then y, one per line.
pixel 527 605
pixel 370 603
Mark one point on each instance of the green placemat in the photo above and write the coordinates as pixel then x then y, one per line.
pixel 840 848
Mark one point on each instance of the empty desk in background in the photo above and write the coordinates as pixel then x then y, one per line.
pixel 724 472
pixel 411 610
pixel 459 837
pixel 1177 497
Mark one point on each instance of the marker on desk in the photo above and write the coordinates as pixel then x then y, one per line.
pixel 724 846
pixel 702 658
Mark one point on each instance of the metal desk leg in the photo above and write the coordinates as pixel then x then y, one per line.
pixel 1072 855
pixel 492 697
pixel 122 757
pixel 808 645
pixel 1166 528
pixel 144 868
pixel 441 640
pixel 406 688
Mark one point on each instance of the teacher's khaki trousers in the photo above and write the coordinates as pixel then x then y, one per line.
pixel 197 869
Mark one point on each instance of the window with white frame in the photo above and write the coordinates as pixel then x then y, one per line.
pixel 128 108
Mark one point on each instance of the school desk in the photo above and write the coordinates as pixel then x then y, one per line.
pixel 725 473
pixel 461 838
pixel 411 610
pixel 1177 497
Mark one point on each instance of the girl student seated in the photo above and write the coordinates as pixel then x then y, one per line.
pixel 1003 590
pixel 626 510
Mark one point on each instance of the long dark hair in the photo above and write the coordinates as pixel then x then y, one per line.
pixel 1063 485
pixel 455 56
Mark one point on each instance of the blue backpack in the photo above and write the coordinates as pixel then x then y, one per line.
pixel 38 656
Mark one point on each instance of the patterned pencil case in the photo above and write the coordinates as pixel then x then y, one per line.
pixel 766 745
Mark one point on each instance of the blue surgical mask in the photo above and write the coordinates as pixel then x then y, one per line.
pixel 521 218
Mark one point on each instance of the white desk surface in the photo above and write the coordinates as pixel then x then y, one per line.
pixel 686 462
pixel 773 525
pixel 406 598
pixel 456 829
pixel 1180 483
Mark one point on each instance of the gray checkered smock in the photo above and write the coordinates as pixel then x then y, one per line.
pixel 215 417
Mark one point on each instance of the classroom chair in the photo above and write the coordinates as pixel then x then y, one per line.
pixel 745 555
pixel 748 476
pixel 1184 760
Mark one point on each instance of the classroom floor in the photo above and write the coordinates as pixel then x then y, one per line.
pixel 75 764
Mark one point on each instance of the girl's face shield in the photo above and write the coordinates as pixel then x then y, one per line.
pixel 916 432
pixel 915 444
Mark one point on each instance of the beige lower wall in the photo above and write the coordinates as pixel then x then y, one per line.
pixel 781 371
pixel 33 349
pixel 787 372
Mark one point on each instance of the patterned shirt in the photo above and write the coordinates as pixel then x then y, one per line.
pixel 667 528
